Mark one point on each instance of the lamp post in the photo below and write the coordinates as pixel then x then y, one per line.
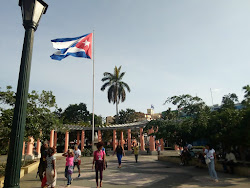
pixel 32 11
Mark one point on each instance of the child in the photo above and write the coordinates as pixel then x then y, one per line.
pixel 99 161
pixel 69 165
pixel 51 168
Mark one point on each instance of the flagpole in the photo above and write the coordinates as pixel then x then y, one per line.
pixel 93 102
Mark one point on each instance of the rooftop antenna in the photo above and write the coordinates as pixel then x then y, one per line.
pixel 212 96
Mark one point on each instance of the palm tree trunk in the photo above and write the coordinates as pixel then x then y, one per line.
pixel 117 115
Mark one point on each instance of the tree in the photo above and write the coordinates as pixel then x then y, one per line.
pixel 76 113
pixel 246 101
pixel 116 87
pixel 39 115
pixel 97 119
pixel 129 116
pixel 170 114
pixel 184 125
pixel 228 101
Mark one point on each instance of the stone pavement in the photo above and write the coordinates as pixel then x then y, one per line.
pixel 148 172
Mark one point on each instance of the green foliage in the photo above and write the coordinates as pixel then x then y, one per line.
pixel 39 115
pixel 246 101
pixel 76 113
pixel 97 120
pixel 228 101
pixel 193 120
pixel 129 116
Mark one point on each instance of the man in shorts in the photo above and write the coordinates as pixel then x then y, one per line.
pixel 77 159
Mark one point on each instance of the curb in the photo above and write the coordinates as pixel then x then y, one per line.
pixel 24 170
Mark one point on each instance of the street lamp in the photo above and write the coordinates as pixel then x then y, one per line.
pixel 32 11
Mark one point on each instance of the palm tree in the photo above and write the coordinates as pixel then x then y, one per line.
pixel 116 87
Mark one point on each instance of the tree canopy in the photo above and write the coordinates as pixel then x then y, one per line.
pixel 194 120
pixel 40 115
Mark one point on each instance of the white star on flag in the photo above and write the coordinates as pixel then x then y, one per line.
pixel 86 43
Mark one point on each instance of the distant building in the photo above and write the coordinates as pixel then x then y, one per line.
pixel 151 115
pixel 110 120
pixel 216 107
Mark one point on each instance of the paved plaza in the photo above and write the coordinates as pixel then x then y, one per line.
pixel 147 173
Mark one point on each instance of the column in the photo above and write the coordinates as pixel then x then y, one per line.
pixel 38 146
pixel 142 140
pixel 66 145
pixel 151 140
pixel 30 147
pixel 55 140
pixel 51 141
pixel 99 136
pixel 114 140
pixel 82 140
pixel 162 144
pixel 122 142
pixel 78 138
pixel 129 139
pixel 23 148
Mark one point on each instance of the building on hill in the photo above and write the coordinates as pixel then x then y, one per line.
pixel 110 120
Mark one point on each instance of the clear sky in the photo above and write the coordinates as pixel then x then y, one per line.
pixel 166 48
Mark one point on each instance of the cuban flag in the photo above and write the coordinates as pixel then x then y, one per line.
pixel 77 47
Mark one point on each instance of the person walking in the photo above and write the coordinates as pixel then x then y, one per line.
pixel 51 174
pixel 136 152
pixel 159 149
pixel 119 153
pixel 69 167
pixel 99 162
pixel 210 157
pixel 77 159
pixel 42 164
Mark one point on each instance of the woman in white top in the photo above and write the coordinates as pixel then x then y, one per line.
pixel 210 154
pixel 51 174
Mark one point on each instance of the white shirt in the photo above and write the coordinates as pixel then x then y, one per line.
pixel 49 161
pixel 159 148
pixel 231 157
pixel 77 155
pixel 210 153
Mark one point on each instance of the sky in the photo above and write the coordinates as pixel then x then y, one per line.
pixel 166 48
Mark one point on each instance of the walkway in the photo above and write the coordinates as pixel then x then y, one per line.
pixel 147 173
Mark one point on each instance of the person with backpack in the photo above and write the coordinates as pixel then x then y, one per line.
pixel 69 165
pixel 119 153
pixel 99 162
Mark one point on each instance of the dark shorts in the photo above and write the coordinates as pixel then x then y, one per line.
pixel 76 164
pixel 99 165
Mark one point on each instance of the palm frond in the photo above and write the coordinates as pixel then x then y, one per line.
pixel 105 85
pixel 105 78
pixel 125 85
pixel 110 94
pixel 121 75
pixel 108 74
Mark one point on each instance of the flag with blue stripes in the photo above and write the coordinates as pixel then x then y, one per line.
pixel 77 47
